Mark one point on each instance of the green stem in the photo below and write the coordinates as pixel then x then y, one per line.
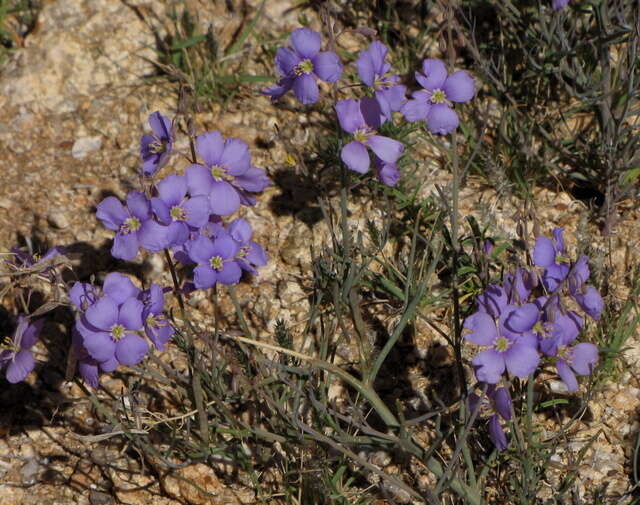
pixel 194 362
pixel 470 495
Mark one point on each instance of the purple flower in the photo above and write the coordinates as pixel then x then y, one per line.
pixel 578 275
pixel 361 118
pixel 227 174
pixel 559 4
pixel 155 149
pixel 374 71
pixel 579 359
pixel 175 209
pixel 109 331
pixel 104 334
pixel 23 258
pixel 433 103
pixel 156 326
pixel 550 254
pixel 216 260
pixel 301 65
pixel 492 301
pixel 15 356
pixel 507 349
pixel 250 254
pixel 519 286
pixel 388 173
pixel 89 368
pixel 590 301
pixel 495 405
pixel 556 328
pixel 133 226
pixel 44 265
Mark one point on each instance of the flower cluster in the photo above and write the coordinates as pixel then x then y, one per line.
pixel 179 205
pixel 182 214
pixel 112 324
pixel 301 65
pixel 531 317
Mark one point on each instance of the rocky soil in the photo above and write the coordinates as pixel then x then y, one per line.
pixel 73 104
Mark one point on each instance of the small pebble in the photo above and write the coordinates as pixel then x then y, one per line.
pixel 85 145
pixel 58 219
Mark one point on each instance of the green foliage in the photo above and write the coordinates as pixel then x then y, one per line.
pixel 213 72
pixel 561 85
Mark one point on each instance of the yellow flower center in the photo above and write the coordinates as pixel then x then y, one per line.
pixel 304 67
pixel 155 321
pixel 564 352
pixel 157 147
pixel 362 134
pixel 219 173
pixel 502 344
pixel 541 330
pixel 117 332
pixel 130 225
pixel 438 96
pixel 216 263
pixel 178 213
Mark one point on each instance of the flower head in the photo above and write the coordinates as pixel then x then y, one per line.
pixel 578 359
pixel 551 255
pixel 133 225
pixel 361 118
pixel 155 149
pixel 509 345
pixel 178 211
pixel 250 254
pixel 226 176
pixel 301 65
pixel 109 330
pixel 156 325
pixel 216 259
pixel 375 72
pixel 433 103
pixel 15 354
pixel 495 404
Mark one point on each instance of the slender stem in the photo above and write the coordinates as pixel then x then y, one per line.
pixel 176 283
pixel 194 361
pixel 469 494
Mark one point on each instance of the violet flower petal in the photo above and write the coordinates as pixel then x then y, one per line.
pixel 209 146
pixel 306 89
pixel 434 74
pixel 131 349
pixel 567 375
pixel 327 66
pixel 306 42
pixel 386 149
pixel 20 366
pixel 459 87
pixel 111 212
pixel 489 366
pixel 119 287
pixel 349 115
pixel 442 119
pixel 356 157
pixel 223 198
pixel 584 358
pixel 481 329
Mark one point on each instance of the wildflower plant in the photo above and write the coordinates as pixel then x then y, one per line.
pixel 529 324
